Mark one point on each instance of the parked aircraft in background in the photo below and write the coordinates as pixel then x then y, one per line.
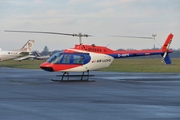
pixel 40 57
pixel 27 57
pixel 33 55
pixel 13 54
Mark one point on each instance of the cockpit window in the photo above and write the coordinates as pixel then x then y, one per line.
pixel 78 59
pixel 66 59
pixel 56 58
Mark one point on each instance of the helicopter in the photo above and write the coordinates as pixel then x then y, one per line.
pixel 85 58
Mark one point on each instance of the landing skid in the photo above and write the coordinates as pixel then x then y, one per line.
pixel 72 80
pixel 66 74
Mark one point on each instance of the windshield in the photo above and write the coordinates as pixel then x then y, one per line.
pixel 67 58
pixel 55 58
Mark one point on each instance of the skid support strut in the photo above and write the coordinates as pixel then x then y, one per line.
pixel 85 75
pixel 64 75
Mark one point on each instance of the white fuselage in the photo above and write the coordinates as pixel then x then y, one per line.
pixel 8 55
pixel 98 61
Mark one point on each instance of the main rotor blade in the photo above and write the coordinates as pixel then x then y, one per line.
pixel 39 32
pixel 120 36
pixel 79 35
pixel 133 37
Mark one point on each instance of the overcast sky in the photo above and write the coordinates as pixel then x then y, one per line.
pixel 97 17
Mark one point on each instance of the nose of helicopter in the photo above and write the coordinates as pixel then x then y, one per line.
pixel 47 67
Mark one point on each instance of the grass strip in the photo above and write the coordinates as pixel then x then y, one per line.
pixel 118 65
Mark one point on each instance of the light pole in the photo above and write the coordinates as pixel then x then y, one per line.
pixel 154 35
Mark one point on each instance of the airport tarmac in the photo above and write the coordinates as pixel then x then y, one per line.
pixel 30 94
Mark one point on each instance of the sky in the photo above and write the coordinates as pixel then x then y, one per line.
pixel 94 17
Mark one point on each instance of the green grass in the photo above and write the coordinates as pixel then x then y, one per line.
pixel 120 65
pixel 144 65
pixel 23 64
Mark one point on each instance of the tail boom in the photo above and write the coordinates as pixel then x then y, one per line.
pixel 164 51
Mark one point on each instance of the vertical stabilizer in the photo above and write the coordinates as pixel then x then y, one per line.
pixel 165 49
pixel 28 46
pixel 167 43
pixel 37 54
pixel 166 59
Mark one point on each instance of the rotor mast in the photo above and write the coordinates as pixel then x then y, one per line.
pixel 80 35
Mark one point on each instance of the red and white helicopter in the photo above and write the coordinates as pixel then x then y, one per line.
pixel 85 58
